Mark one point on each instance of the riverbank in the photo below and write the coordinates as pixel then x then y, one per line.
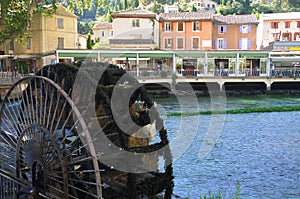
pixel 205 93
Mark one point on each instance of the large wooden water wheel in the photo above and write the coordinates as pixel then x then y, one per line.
pixel 68 142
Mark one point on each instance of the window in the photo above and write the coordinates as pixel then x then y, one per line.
pixel 195 43
pixel 274 24
pixel 244 43
pixel 220 43
pixel 102 33
pixel 180 26
pixel 111 33
pixel 60 43
pixel 197 26
pixel 297 36
pixel 168 43
pixel 286 36
pixel 221 29
pixel 180 43
pixel 167 26
pixel 287 24
pixel 60 23
pixel 298 24
pixel 135 23
pixel 245 28
pixel 28 46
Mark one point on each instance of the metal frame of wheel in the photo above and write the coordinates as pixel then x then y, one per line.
pixel 42 132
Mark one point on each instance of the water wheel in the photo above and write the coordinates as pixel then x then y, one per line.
pixel 50 141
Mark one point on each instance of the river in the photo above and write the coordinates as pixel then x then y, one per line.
pixel 261 151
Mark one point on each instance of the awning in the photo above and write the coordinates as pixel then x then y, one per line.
pixel 190 55
pixel 285 59
pixel 221 55
pixel 111 55
pixel 156 55
pixel 77 54
pixel 254 55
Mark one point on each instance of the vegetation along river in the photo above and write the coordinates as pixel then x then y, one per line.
pixel 256 154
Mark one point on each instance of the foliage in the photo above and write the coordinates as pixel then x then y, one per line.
pixel 240 111
pixel 16 16
pixel 22 67
pixel 85 27
pixel 89 43
pixel 157 8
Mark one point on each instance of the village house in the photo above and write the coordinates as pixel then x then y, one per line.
pixel 235 32
pixel 134 29
pixel 201 5
pixel 278 27
pixel 186 30
pixel 102 33
pixel 46 35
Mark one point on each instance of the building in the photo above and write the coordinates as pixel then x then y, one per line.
pixel 134 29
pixel 171 8
pixel 201 5
pixel 235 32
pixel 278 27
pixel 186 30
pixel 46 35
pixel 102 33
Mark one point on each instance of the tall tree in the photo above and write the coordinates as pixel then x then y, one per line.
pixel 89 43
pixel 125 4
pixel 136 3
pixel 16 16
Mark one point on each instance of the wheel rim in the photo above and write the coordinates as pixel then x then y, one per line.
pixel 42 128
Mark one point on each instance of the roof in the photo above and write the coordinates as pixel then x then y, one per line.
pixel 61 10
pixel 235 19
pixel 135 13
pixel 103 25
pixel 186 16
pixel 281 16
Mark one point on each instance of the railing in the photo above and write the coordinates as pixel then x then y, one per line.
pixel 224 73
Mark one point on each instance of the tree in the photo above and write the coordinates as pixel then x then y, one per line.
pixel 89 43
pixel 136 3
pixel 16 16
pixel 125 4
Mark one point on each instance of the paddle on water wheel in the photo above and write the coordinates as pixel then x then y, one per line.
pixel 68 142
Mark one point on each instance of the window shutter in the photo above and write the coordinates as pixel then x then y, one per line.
pixel 219 29
pixel 272 25
pixel 248 43
pixel 249 28
pixel 241 28
pixel 216 44
pixel 225 47
pixel 240 43
pixel 224 29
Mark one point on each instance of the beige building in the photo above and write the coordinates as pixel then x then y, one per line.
pixel 102 33
pixel 46 35
pixel 278 27
pixel 136 28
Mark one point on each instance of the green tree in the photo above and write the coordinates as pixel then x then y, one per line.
pixel 157 8
pixel 16 16
pixel 136 3
pixel 89 43
pixel 125 4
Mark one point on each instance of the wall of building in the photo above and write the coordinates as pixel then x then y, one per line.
pixel 233 34
pixel 204 35
pixel 123 28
